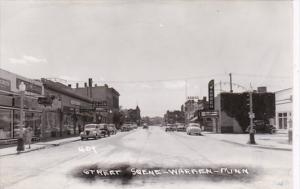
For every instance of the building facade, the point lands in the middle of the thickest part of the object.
(105, 100)
(233, 110)
(10, 101)
(68, 112)
(284, 109)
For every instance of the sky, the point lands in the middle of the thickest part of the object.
(155, 53)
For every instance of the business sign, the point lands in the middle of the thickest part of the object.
(100, 104)
(101, 110)
(4, 84)
(74, 102)
(30, 87)
(211, 95)
(209, 114)
(192, 98)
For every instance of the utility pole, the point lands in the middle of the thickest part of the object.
(230, 76)
(251, 116)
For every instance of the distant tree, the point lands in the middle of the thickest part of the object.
(118, 119)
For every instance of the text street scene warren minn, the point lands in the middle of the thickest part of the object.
(146, 94)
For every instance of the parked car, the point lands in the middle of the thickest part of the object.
(112, 129)
(260, 126)
(104, 130)
(193, 129)
(134, 126)
(145, 127)
(180, 128)
(170, 127)
(91, 131)
(125, 127)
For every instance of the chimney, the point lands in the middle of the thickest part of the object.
(261, 89)
(96, 85)
(91, 87)
(69, 85)
(77, 85)
(85, 85)
(204, 99)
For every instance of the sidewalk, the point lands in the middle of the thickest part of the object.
(278, 141)
(37, 146)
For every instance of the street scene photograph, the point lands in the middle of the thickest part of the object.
(171, 94)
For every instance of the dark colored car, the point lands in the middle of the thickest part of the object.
(125, 127)
(145, 127)
(112, 129)
(170, 127)
(181, 128)
(104, 130)
(261, 127)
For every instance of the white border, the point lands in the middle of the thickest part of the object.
(296, 139)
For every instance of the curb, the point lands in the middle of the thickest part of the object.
(257, 146)
(42, 147)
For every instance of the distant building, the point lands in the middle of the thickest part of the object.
(284, 108)
(132, 115)
(233, 110)
(105, 99)
(175, 116)
(192, 107)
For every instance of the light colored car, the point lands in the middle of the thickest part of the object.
(193, 129)
(90, 131)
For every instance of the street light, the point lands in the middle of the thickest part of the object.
(20, 146)
(251, 116)
(22, 89)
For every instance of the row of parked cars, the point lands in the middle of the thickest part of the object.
(101, 130)
(190, 129)
(98, 131)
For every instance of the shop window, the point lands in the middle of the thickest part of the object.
(282, 120)
(5, 124)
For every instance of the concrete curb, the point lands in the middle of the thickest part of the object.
(42, 147)
(257, 146)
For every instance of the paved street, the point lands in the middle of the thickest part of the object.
(58, 167)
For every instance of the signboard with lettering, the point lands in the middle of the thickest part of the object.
(211, 95)
(5, 84)
(30, 87)
(100, 104)
(192, 98)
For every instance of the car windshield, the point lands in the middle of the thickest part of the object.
(90, 126)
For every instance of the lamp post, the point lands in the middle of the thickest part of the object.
(251, 116)
(21, 146)
(22, 88)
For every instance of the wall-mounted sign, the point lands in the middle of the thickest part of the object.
(5, 84)
(208, 114)
(74, 102)
(30, 87)
(192, 98)
(211, 95)
(100, 104)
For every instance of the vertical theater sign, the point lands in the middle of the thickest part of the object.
(211, 95)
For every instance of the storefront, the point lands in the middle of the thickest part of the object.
(71, 113)
(284, 106)
(10, 102)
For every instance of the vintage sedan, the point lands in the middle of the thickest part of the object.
(91, 131)
(170, 127)
(193, 129)
(125, 127)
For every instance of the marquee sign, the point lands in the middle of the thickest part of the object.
(211, 95)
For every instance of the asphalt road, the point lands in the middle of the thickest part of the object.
(148, 149)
